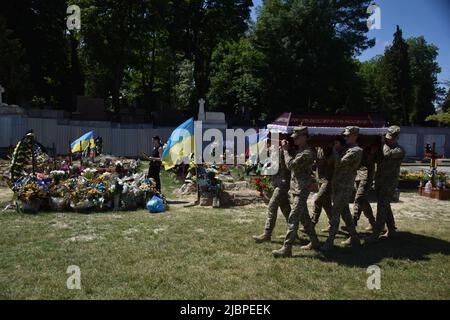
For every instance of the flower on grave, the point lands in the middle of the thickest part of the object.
(89, 173)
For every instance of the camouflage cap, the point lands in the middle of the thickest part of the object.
(350, 130)
(300, 131)
(393, 132)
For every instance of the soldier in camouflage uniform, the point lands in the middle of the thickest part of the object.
(363, 183)
(346, 165)
(386, 182)
(280, 199)
(300, 164)
(324, 173)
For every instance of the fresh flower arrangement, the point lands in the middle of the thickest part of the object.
(147, 185)
(57, 175)
(263, 185)
(89, 173)
(89, 190)
(30, 188)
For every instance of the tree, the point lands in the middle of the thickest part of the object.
(442, 117)
(371, 77)
(185, 85)
(40, 27)
(108, 27)
(308, 48)
(397, 84)
(424, 70)
(198, 26)
(445, 106)
(234, 86)
(13, 72)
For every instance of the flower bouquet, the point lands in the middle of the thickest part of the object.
(31, 193)
(59, 196)
(131, 196)
(89, 173)
(80, 196)
(264, 186)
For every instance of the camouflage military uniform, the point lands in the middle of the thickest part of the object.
(280, 196)
(300, 166)
(343, 179)
(363, 183)
(325, 168)
(386, 182)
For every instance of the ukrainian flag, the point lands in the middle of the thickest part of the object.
(180, 144)
(262, 141)
(253, 148)
(83, 142)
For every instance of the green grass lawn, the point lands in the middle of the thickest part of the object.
(205, 253)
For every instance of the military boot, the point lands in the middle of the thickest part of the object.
(284, 252)
(355, 220)
(374, 237)
(352, 242)
(327, 246)
(313, 245)
(389, 234)
(265, 237)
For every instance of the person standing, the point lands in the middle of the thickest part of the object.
(279, 199)
(346, 165)
(363, 184)
(324, 174)
(386, 182)
(154, 168)
(300, 164)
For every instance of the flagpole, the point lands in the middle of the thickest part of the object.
(33, 160)
(81, 155)
(198, 187)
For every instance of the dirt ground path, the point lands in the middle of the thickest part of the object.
(5, 195)
(411, 205)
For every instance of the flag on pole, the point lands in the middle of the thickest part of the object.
(262, 141)
(180, 144)
(253, 148)
(83, 142)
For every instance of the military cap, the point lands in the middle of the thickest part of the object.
(393, 132)
(300, 131)
(350, 130)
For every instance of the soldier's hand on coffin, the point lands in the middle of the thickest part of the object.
(285, 145)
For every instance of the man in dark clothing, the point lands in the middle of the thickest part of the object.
(154, 168)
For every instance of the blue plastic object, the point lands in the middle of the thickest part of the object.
(156, 205)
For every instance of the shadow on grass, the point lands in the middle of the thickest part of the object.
(405, 246)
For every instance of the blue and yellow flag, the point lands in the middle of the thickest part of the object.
(180, 145)
(83, 142)
(263, 136)
(253, 148)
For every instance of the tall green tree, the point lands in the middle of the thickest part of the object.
(107, 27)
(13, 71)
(198, 26)
(445, 106)
(308, 49)
(371, 77)
(397, 82)
(424, 72)
(235, 88)
(40, 26)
